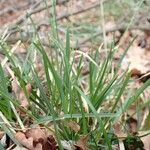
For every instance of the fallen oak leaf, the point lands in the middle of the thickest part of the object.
(37, 139)
(28, 143)
(38, 134)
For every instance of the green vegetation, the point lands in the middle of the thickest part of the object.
(76, 87)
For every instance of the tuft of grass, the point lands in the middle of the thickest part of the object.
(66, 97)
(93, 100)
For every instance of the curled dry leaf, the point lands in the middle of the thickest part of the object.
(28, 143)
(36, 139)
(37, 134)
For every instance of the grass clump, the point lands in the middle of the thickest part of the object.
(76, 87)
(92, 101)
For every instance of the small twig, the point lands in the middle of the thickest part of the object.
(12, 29)
(24, 16)
(31, 12)
(12, 39)
(113, 29)
(77, 12)
(103, 25)
(143, 76)
(66, 15)
(14, 8)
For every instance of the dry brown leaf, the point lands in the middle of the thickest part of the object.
(138, 58)
(28, 143)
(81, 144)
(37, 134)
(74, 126)
(36, 139)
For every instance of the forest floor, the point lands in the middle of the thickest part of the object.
(93, 25)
